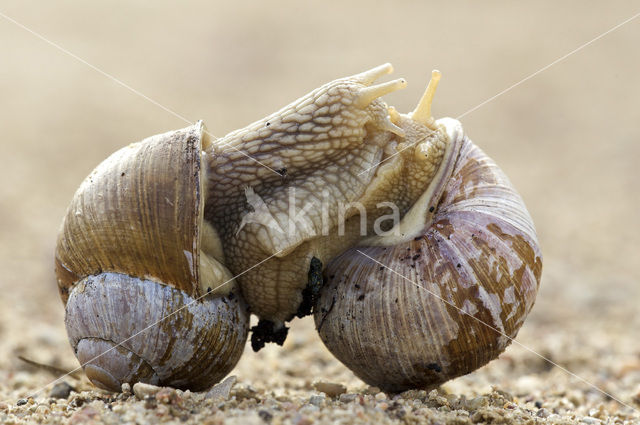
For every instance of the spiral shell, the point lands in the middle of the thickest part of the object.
(134, 260)
(445, 300)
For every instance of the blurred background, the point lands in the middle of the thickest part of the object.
(568, 138)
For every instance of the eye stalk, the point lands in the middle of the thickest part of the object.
(422, 113)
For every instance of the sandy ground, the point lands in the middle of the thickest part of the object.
(568, 139)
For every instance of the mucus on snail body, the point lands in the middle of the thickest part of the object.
(172, 242)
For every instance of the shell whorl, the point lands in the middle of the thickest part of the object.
(134, 261)
(138, 212)
(445, 301)
(125, 329)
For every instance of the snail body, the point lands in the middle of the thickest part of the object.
(172, 242)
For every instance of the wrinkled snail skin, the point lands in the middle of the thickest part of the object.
(325, 147)
(132, 250)
(321, 141)
(446, 295)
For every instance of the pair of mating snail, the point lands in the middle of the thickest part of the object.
(165, 250)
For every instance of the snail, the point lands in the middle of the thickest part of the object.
(172, 242)
(147, 296)
(448, 288)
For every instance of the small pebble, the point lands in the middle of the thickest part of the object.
(316, 400)
(414, 394)
(476, 403)
(381, 396)
(221, 390)
(543, 413)
(41, 408)
(141, 390)
(592, 421)
(265, 415)
(126, 388)
(301, 420)
(245, 392)
(168, 396)
(85, 415)
(507, 396)
(576, 398)
(309, 409)
(371, 390)
(348, 398)
(436, 400)
(61, 390)
(329, 388)
(22, 402)
(598, 412)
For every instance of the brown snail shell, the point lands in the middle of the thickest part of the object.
(134, 261)
(443, 301)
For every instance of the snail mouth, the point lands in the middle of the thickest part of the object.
(108, 365)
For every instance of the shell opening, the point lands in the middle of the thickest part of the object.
(419, 215)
